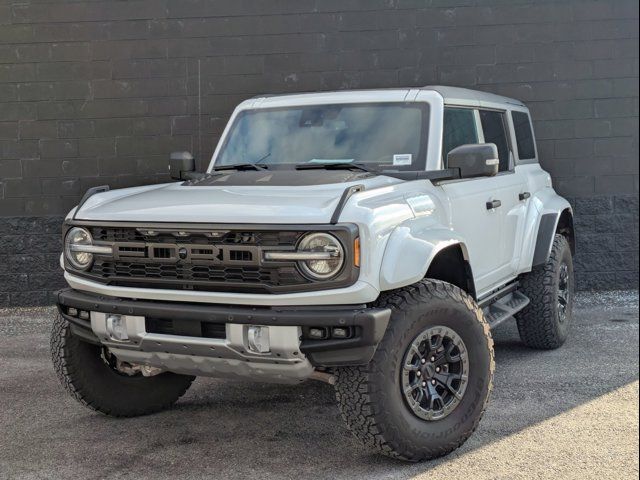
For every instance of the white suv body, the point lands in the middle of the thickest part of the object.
(498, 243)
(470, 207)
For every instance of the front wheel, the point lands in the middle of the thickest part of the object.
(88, 373)
(426, 388)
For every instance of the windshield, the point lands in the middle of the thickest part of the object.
(381, 135)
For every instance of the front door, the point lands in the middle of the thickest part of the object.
(480, 226)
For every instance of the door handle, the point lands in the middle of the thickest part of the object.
(524, 196)
(493, 204)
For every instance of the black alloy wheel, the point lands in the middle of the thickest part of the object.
(435, 373)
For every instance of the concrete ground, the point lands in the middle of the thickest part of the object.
(569, 413)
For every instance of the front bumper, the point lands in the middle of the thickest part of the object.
(182, 346)
(360, 292)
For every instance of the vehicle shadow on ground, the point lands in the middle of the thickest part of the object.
(235, 430)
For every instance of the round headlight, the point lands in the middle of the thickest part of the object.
(77, 258)
(321, 269)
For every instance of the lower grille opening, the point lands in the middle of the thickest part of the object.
(157, 325)
(214, 330)
(186, 328)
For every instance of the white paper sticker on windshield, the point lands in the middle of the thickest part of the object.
(402, 159)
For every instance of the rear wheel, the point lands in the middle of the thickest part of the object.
(91, 374)
(426, 388)
(544, 323)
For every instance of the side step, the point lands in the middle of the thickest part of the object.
(505, 307)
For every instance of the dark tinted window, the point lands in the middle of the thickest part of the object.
(493, 127)
(524, 135)
(459, 129)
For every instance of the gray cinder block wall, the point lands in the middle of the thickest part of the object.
(101, 92)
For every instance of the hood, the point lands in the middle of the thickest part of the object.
(240, 198)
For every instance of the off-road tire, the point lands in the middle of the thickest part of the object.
(370, 397)
(539, 323)
(95, 384)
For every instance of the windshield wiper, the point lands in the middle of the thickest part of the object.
(261, 159)
(334, 166)
(239, 167)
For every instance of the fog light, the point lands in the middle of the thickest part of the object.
(117, 327)
(83, 314)
(339, 332)
(72, 312)
(318, 333)
(258, 339)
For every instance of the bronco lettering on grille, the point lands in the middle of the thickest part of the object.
(187, 253)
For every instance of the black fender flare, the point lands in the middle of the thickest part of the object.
(550, 224)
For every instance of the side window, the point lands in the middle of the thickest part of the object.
(524, 135)
(459, 129)
(495, 131)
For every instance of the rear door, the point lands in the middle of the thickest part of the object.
(511, 183)
(526, 164)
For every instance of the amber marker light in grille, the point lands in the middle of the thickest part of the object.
(356, 252)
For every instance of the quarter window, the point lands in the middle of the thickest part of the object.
(494, 129)
(459, 129)
(524, 135)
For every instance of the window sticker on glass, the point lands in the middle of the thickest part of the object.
(402, 159)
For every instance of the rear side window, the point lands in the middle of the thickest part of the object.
(494, 129)
(459, 129)
(524, 135)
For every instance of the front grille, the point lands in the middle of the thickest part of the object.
(212, 260)
(216, 259)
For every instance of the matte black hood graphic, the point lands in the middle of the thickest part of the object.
(278, 178)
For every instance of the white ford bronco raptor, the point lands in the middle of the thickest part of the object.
(368, 239)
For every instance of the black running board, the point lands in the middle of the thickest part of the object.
(505, 307)
(503, 304)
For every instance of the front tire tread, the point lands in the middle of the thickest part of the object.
(67, 362)
(354, 388)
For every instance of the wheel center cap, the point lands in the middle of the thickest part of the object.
(428, 370)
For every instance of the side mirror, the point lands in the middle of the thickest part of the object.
(475, 160)
(181, 164)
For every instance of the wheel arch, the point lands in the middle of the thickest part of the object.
(451, 265)
(552, 223)
(565, 227)
(436, 253)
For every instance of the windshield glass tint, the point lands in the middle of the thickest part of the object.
(383, 135)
